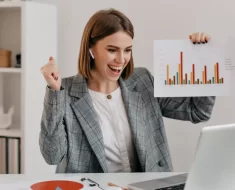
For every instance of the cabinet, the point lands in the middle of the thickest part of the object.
(29, 29)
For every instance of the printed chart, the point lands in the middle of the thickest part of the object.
(182, 68)
(181, 78)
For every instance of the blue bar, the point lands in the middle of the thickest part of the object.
(165, 82)
(213, 80)
(189, 81)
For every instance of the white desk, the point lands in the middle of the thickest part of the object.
(121, 179)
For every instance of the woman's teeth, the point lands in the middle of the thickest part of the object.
(115, 68)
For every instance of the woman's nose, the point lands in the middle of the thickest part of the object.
(120, 58)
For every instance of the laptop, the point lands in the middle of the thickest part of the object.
(213, 167)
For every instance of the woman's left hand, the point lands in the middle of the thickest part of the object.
(199, 38)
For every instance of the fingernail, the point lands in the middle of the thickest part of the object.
(203, 42)
(194, 42)
(206, 41)
(199, 42)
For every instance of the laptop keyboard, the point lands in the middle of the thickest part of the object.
(176, 187)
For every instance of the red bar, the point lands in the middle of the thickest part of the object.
(222, 80)
(210, 81)
(217, 69)
(193, 74)
(169, 81)
(197, 81)
(205, 74)
(186, 78)
(174, 79)
(181, 64)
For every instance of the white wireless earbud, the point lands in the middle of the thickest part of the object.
(91, 53)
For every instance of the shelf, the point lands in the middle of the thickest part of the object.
(10, 70)
(11, 132)
(20, 87)
(10, 4)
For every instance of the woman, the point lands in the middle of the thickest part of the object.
(106, 118)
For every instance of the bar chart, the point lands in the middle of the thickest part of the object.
(184, 69)
(181, 78)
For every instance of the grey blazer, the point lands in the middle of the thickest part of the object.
(71, 137)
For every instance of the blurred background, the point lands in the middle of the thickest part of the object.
(31, 31)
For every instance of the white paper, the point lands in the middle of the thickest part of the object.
(194, 57)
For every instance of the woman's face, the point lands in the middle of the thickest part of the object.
(111, 55)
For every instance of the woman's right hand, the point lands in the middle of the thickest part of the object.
(51, 74)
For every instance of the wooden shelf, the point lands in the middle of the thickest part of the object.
(10, 70)
(11, 132)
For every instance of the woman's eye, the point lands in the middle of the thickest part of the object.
(128, 50)
(111, 50)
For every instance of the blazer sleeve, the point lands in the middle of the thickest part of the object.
(194, 109)
(53, 136)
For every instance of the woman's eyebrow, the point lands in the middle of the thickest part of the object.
(117, 46)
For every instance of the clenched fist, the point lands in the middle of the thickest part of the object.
(51, 74)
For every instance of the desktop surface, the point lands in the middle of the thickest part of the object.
(120, 179)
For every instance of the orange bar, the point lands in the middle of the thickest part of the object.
(203, 77)
(191, 78)
(167, 73)
(215, 74)
(193, 74)
(179, 78)
(181, 64)
(186, 78)
(205, 74)
(217, 71)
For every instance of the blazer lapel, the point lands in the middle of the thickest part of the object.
(85, 113)
(133, 103)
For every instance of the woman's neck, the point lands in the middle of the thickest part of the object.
(101, 85)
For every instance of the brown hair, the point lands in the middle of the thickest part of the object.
(102, 24)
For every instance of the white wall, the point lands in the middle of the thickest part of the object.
(153, 19)
(45, 43)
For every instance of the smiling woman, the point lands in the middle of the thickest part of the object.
(106, 118)
(108, 35)
(111, 57)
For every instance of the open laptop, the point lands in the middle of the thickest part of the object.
(213, 167)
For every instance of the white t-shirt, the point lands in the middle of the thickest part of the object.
(119, 148)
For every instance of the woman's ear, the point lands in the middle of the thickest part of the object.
(91, 54)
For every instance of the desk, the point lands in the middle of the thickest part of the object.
(121, 179)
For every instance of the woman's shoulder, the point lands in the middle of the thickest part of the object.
(141, 78)
(142, 73)
(66, 82)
